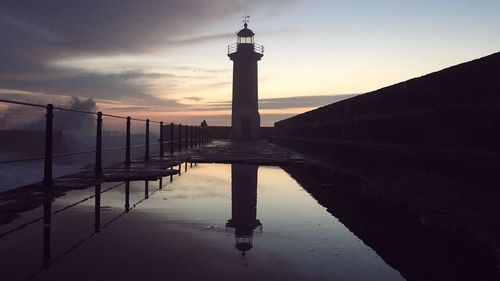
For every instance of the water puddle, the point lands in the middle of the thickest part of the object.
(214, 222)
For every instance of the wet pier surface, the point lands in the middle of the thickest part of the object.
(213, 222)
(184, 218)
(259, 153)
(253, 152)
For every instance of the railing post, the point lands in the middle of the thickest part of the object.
(180, 137)
(98, 145)
(127, 143)
(186, 137)
(127, 196)
(194, 133)
(47, 175)
(97, 209)
(171, 138)
(197, 136)
(161, 140)
(146, 151)
(47, 218)
(194, 136)
(191, 129)
(171, 174)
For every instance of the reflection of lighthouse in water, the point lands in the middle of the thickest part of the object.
(243, 205)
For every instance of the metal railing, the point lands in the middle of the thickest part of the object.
(258, 48)
(193, 136)
(233, 48)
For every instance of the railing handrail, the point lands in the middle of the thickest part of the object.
(22, 103)
(59, 155)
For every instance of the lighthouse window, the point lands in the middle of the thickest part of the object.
(245, 40)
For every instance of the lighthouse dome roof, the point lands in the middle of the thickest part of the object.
(245, 32)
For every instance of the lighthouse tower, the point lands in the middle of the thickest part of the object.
(245, 119)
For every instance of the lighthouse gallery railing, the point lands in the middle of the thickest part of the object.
(233, 48)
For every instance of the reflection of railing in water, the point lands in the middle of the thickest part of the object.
(24, 225)
(193, 136)
(47, 260)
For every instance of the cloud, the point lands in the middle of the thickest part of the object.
(301, 101)
(193, 98)
(287, 102)
(52, 29)
(204, 70)
(199, 39)
(32, 118)
(36, 34)
(112, 25)
(131, 86)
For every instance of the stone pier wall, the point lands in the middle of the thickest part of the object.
(444, 123)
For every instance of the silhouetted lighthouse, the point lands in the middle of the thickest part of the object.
(245, 119)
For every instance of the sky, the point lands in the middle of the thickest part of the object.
(167, 60)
